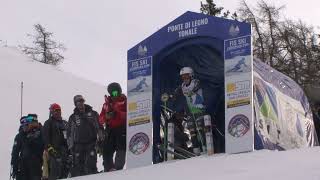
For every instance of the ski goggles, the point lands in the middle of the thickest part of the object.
(185, 77)
(32, 118)
(27, 120)
(114, 93)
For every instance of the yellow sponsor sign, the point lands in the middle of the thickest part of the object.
(133, 106)
(231, 87)
(238, 102)
(138, 121)
(238, 86)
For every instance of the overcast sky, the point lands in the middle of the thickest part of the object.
(98, 33)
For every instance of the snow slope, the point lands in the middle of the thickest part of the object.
(43, 85)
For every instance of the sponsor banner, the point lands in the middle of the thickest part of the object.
(139, 76)
(139, 114)
(282, 121)
(238, 102)
(139, 121)
(238, 95)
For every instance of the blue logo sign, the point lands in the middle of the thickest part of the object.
(239, 125)
(139, 143)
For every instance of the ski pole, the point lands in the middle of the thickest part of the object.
(164, 99)
(184, 151)
(171, 152)
(219, 132)
(11, 169)
(198, 131)
(21, 100)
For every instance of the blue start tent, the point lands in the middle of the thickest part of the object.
(253, 105)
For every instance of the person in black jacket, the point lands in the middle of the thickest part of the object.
(26, 156)
(83, 130)
(55, 141)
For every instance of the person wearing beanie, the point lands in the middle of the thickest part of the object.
(83, 134)
(26, 155)
(114, 117)
(55, 141)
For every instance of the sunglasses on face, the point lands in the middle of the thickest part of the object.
(79, 101)
(57, 110)
(114, 93)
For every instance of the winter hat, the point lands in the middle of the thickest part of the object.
(114, 87)
(54, 107)
(77, 98)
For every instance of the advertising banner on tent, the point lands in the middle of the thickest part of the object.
(282, 113)
(238, 95)
(139, 117)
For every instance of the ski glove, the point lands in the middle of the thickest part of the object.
(110, 114)
(100, 135)
(99, 148)
(52, 151)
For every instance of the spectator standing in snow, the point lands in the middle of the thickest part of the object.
(26, 156)
(56, 147)
(83, 134)
(114, 116)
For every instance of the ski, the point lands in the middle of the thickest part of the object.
(161, 148)
(170, 139)
(186, 152)
(208, 134)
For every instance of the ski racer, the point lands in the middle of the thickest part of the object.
(114, 116)
(26, 156)
(191, 90)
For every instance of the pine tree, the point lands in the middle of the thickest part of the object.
(210, 8)
(45, 49)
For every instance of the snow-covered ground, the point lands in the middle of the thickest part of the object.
(302, 164)
(44, 84)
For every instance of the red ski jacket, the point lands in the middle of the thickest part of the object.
(118, 106)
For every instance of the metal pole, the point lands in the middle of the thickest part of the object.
(21, 100)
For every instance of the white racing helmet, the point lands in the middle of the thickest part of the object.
(187, 70)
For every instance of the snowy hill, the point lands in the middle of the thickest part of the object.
(43, 85)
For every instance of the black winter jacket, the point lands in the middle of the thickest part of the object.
(55, 134)
(27, 147)
(83, 127)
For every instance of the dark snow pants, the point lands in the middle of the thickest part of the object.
(84, 160)
(115, 142)
(58, 166)
(30, 169)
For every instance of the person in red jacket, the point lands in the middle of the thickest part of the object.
(114, 117)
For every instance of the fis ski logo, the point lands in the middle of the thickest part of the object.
(142, 50)
(234, 30)
(239, 125)
(139, 143)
